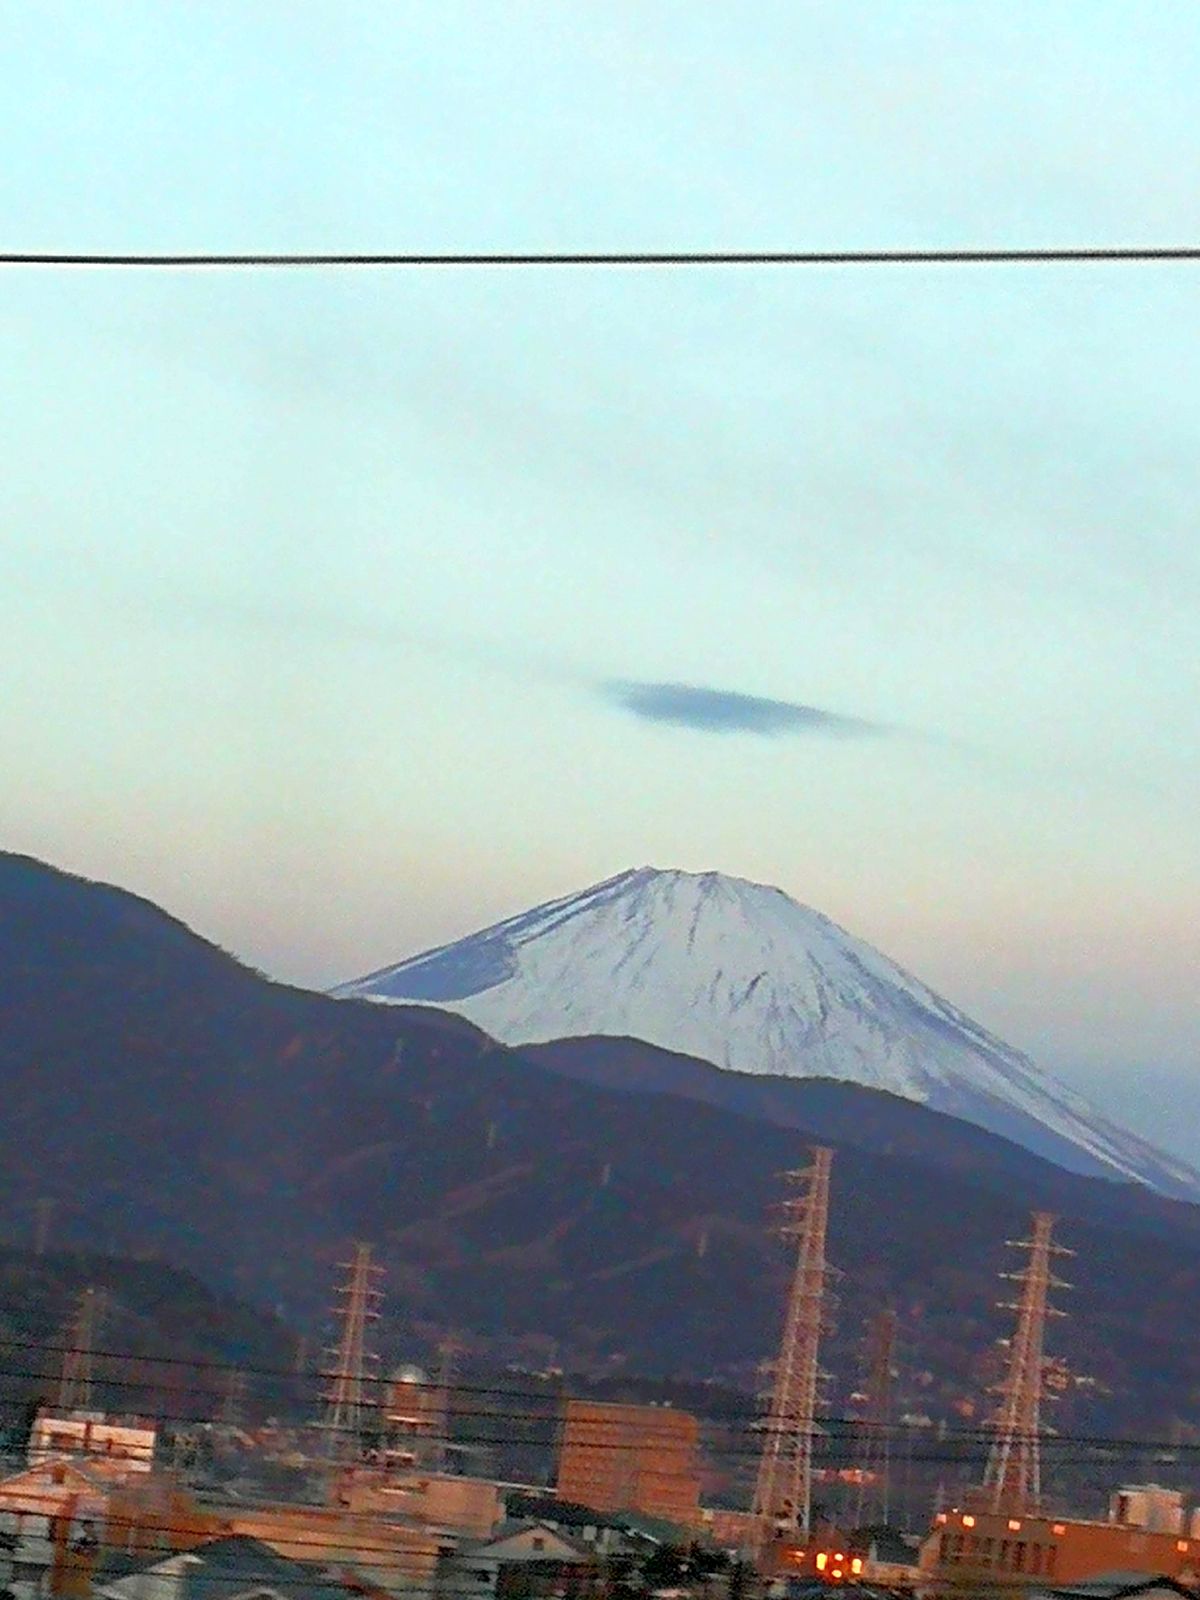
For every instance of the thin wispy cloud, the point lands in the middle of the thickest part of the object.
(710, 710)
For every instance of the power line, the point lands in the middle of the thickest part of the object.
(1051, 255)
(743, 1417)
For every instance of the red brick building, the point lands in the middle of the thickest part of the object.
(631, 1458)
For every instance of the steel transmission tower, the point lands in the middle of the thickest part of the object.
(350, 1398)
(449, 1351)
(783, 1493)
(874, 1496)
(1012, 1481)
(75, 1380)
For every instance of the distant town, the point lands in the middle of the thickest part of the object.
(382, 1493)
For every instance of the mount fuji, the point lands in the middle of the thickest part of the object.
(740, 975)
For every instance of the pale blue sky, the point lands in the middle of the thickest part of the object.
(314, 588)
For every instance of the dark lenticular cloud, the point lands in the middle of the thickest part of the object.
(723, 711)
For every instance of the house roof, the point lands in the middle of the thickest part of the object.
(562, 1513)
(58, 1478)
(225, 1568)
(508, 1542)
(1115, 1585)
(656, 1529)
(888, 1544)
(816, 1590)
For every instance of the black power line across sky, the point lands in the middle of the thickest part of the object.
(1051, 255)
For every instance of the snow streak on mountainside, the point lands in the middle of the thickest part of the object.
(741, 975)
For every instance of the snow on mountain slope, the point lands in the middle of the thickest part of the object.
(741, 975)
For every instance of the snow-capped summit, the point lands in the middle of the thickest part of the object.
(741, 975)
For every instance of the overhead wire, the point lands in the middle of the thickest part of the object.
(509, 1392)
(965, 256)
(839, 1438)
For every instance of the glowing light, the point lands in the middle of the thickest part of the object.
(1059, 1528)
(1181, 1546)
(968, 1521)
(941, 1516)
(856, 1565)
(822, 1561)
(1014, 1526)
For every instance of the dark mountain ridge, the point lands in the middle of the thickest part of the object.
(173, 1101)
(176, 1338)
(870, 1119)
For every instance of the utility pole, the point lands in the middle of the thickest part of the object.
(75, 1380)
(348, 1402)
(448, 1353)
(1012, 1480)
(874, 1487)
(783, 1493)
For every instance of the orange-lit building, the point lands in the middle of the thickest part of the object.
(473, 1506)
(730, 1530)
(631, 1458)
(970, 1548)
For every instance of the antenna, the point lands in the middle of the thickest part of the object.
(783, 1493)
(1013, 1478)
(75, 1381)
(874, 1487)
(347, 1401)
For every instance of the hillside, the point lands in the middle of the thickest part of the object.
(174, 1102)
(176, 1336)
(841, 1113)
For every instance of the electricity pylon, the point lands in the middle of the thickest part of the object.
(75, 1379)
(874, 1488)
(350, 1397)
(1012, 1480)
(783, 1493)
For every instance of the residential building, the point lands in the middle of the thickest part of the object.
(728, 1529)
(373, 1550)
(1149, 1506)
(92, 1433)
(605, 1533)
(967, 1549)
(631, 1458)
(57, 1514)
(222, 1569)
(523, 1561)
(472, 1506)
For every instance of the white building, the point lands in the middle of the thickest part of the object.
(1148, 1506)
(91, 1434)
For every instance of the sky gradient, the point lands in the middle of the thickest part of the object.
(342, 613)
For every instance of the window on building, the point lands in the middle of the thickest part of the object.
(1019, 1552)
(1035, 1558)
